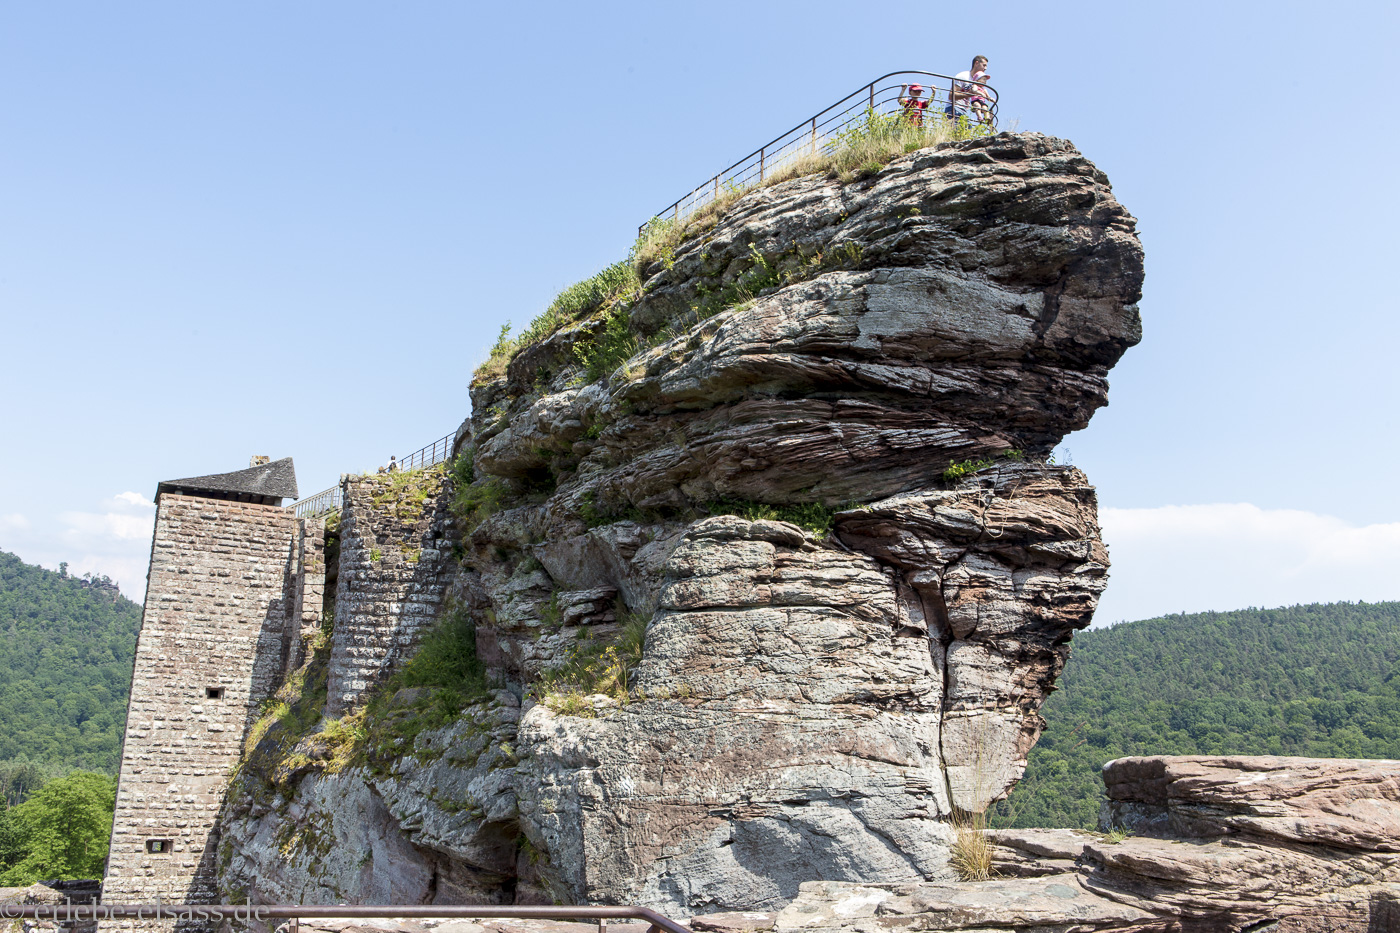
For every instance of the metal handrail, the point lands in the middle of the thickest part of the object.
(329, 500)
(432, 454)
(819, 132)
(61, 913)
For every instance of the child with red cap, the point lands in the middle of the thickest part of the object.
(912, 102)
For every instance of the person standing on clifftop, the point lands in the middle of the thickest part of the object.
(914, 105)
(965, 88)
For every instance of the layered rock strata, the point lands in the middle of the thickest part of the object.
(1218, 845)
(818, 483)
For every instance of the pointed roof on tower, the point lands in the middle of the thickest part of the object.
(268, 483)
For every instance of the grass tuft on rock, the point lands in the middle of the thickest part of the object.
(596, 666)
(811, 517)
(971, 853)
(442, 678)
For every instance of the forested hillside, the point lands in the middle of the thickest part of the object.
(66, 651)
(1317, 680)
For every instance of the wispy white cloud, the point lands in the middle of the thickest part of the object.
(134, 499)
(112, 538)
(1190, 558)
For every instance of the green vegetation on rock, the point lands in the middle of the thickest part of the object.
(442, 678)
(862, 149)
(596, 666)
(1320, 681)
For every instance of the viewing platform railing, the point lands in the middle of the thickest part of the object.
(329, 500)
(822, 131)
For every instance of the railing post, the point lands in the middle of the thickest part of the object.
(872, 95)
(814, 134)
(760, 163)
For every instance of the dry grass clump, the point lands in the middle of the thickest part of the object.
(868, 145)
(971, 853)
(496, 362)
(596, 667)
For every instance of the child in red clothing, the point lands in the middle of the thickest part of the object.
(914, 105)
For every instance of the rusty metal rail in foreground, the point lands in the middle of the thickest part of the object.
(263, 912)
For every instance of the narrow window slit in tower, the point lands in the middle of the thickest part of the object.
(158, 846)
(214, 693)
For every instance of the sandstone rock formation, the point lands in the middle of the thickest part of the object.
(817, 479)
(1218, 845)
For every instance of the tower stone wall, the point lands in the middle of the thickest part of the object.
(236, 592)
(225, 602)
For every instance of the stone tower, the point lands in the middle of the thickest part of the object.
(222, 611)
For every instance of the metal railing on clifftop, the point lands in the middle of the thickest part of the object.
(822, 131)
(329, 500)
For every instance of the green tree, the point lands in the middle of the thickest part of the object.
(66, 827)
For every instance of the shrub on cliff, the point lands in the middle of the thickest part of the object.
(441, 679)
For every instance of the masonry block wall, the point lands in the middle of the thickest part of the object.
(395, 567)
(308, 585)
(222, 584)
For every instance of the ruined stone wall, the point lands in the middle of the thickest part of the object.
(395, 567)
(210, 650)
(306, 609)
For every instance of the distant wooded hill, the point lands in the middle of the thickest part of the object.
(67, 646)
(1317, 680)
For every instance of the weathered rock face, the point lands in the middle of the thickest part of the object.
(981, 293)
(1220, 845)
(808, 704)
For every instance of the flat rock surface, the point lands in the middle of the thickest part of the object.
(1348, 803)
(1054, 902)
(737, 921)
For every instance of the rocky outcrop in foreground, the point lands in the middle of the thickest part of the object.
(1217, 845)
(764, 559)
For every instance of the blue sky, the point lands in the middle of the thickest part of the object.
(294, 229)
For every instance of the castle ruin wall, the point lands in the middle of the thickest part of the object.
(395, 567)
(306, 609)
